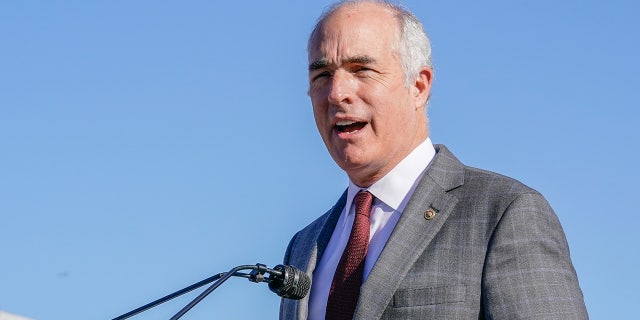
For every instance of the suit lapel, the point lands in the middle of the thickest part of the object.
(412, 233)
(311, 246)
(329, 226)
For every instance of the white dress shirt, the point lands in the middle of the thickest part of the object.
(391, 192)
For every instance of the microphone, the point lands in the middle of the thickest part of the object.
(289, 282)
(284, 280)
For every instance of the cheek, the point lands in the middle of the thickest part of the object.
(316, 106)
(319, 104)
(320, 117)
(393, 121)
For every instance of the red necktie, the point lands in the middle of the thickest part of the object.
(345, 288)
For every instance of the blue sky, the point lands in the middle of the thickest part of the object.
(147, 145)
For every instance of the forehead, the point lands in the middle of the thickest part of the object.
(354, 30)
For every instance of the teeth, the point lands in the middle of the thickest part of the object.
(345, 123)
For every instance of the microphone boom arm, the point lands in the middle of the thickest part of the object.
(256, 275)
(224, 278)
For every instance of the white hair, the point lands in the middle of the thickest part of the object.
(413, 45)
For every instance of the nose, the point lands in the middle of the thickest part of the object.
(341, 91)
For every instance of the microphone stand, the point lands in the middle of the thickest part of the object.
(258, 269)
(256, 275)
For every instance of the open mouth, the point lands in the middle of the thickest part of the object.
(349, 126)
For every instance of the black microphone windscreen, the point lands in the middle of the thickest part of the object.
(293, 284)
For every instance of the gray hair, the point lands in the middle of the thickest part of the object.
(413, 47)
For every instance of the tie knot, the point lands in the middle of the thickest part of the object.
(363, 201)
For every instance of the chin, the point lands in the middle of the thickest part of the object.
(351, 165)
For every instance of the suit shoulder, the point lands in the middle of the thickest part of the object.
(315, 224)
(477, 190)
(313, 229)
(486, 182)
(325, 218)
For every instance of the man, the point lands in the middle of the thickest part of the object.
(442, 240)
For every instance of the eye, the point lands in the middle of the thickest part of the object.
(321, 75)
(362, 70)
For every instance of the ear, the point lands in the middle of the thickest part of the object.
(422, 87)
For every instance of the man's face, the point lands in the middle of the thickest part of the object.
(367, 118)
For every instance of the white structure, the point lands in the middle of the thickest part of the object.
(9, 316)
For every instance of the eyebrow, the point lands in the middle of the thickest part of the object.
(318, 64)
(323, 63)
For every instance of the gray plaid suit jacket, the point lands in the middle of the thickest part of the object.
(494, 250)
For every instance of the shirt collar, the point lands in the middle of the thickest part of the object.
(393, 188)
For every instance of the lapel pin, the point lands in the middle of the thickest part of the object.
(430, 213)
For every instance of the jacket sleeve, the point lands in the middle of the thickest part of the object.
(528, 272)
